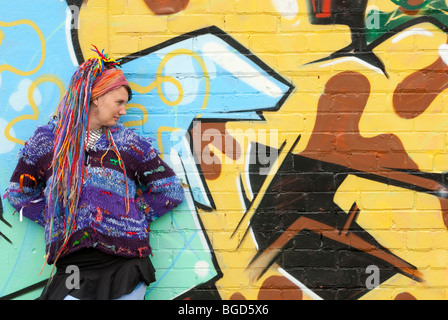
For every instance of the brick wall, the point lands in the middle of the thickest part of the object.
(311, 135)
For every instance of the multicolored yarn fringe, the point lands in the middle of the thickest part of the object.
(71, 134)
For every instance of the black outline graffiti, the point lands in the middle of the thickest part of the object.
(26, 290)
(2, 219)
(74, 32)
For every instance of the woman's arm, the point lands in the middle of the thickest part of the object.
(26, 188)
(162, 188)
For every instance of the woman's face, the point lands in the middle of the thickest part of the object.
(106, 110)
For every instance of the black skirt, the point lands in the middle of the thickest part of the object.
(101, 276)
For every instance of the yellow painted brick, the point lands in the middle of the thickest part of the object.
(254, 6)
(440, 234)
(278, 43)
(445, 150)
(437, 278)
(137, 7)
(327, 41)
(382, 292)
(95, 3)
(432, 122)
(380, 220)
(437, 258)
(229, 293)
(374, 121)
(392, 240)
(441, 162)
(402, 251)
(148, 41)
(123, 45)
(422, 142)
(367, 185)
(95, 18)
(242, 38)
(239, 260)
(116, 7)
(286, 122)
(138, 24)
(250, 23)
(393, 199)
(418, 219)
(93, 15)
(220, 6)
(346, 196)
(425, 201)
(424, 161)
(223, 241)
(290, 62)
(288, 23)
(186, 23)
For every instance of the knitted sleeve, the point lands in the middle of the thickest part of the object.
(25, 190)
(162, 190)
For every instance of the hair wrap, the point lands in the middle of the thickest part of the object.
(93, 78)
(109, 80)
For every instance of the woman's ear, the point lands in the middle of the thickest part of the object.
(94, 103)
(93, 107)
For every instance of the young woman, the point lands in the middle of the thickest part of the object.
(95, 186)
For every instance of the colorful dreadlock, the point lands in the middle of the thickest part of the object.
(71, 134)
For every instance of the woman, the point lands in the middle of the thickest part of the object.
(95, 186)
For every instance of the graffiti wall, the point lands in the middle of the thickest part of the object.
(310, 136)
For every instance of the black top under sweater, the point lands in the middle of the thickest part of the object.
(102, 276)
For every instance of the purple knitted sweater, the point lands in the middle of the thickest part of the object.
(101, 219)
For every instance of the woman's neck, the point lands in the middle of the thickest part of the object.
(94, 127)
